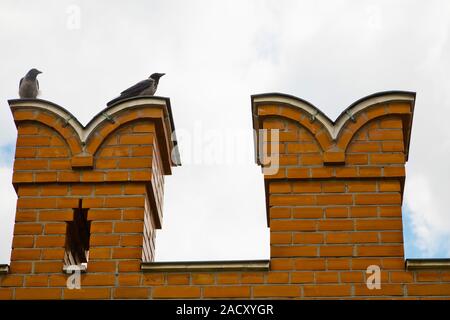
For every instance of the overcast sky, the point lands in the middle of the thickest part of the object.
(216, 54)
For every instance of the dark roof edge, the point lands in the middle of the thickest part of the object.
(4, 268)
(421, 264)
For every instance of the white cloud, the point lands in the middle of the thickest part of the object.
(430, 223)
(7, 213)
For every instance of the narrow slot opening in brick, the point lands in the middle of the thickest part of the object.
(77, 238)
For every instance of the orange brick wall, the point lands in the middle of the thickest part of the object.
(334, 208)
(331, 222)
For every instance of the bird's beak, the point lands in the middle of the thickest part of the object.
(161, 74)
(39, 71)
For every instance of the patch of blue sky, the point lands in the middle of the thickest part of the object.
(412, 250)
(7, 155)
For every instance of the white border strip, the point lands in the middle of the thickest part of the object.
(192, 266)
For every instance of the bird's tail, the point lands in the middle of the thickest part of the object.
(113, 101)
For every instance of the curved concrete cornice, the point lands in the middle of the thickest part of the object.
(107, 115)
(85, 131)
(334, 127)
(329, 133)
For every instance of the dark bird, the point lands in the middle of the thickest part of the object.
(145, 87)
(29, 85)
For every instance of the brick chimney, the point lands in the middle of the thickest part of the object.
(334, 202)
(90, 194)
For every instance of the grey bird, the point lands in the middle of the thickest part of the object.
(29, 85)
(145, 87)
